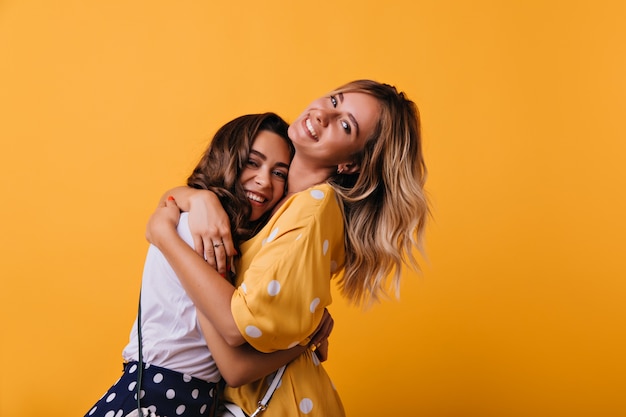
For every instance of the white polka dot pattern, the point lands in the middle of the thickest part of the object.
(177, 394)
(273, 288)
(253, 332)
(314, 305)
(307, 235)
(272, 235)
(317, 194)
(325, 247)
(306, 405)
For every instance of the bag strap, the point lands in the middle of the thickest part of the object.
(140, 359)
(270, 391)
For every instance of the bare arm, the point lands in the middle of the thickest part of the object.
(243, 364)
(208, 290)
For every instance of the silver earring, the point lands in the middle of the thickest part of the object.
(339, 170)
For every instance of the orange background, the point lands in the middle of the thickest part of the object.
(520, 310)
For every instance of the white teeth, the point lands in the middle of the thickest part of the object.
(309, 126)
(255, 197)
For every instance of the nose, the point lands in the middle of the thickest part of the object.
(322, 117)
(262, 178)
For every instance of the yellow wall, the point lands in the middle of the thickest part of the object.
(520, 310)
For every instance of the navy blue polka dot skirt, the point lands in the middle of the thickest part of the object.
(163, 391)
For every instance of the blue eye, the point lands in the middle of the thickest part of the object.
(333, 101)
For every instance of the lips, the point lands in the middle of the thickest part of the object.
(255, 198)
(308, 125)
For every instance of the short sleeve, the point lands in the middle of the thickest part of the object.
(286, 285)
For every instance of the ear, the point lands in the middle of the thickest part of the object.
(349, 168)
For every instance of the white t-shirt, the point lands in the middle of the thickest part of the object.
(170, 331)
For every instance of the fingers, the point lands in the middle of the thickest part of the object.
(212, 238)
(323, 330)
(162, 221)
(220, 256)
(215, 255)
(170, 202)
(322, 351)
(327, 323)
(229, 245)
(198, 245)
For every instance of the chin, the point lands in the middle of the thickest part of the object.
(292, 128)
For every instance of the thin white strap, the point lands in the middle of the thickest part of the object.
(270, 391)
(273, 385)
(234, 410)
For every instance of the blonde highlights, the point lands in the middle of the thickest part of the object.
(385, 206)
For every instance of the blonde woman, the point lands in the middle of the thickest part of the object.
(355, 210)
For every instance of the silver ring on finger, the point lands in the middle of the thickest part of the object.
(217, 245)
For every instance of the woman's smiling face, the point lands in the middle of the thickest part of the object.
(334, 128)
(265, 175)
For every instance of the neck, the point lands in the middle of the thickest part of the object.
(303, 176)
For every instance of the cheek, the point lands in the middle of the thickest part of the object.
(244, 176)
(291, 130)
(278, 190)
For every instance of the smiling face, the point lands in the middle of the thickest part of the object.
(334, 128)
(264, 176)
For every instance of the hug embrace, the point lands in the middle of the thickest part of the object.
(238, 274)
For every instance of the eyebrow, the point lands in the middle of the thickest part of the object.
(350, 116)
(259, 154)
(263, 157)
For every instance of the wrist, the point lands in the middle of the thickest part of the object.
(202, 198)
(161, 233)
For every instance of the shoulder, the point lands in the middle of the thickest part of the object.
(306, 213)
(319, 198)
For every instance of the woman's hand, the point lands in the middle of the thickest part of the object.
(208, 223)
(319, 338)
(210, 229)
(322, 351)
(164, 220)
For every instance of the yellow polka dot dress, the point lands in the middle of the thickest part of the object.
(283, 287)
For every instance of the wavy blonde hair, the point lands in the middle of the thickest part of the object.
(385, 206)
